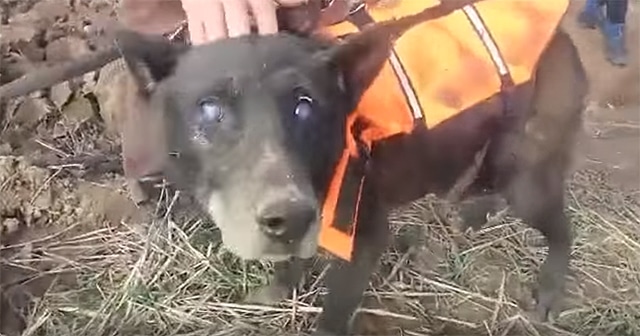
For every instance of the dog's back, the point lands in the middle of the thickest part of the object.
(443, 67)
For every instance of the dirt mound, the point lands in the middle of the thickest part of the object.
(40, 32)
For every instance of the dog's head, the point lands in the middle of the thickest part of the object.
(253, 126)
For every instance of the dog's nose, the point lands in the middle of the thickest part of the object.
(287, 219)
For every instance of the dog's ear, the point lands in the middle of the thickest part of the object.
(150, 59)
(360, 58)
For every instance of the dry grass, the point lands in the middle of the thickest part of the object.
(173, 279)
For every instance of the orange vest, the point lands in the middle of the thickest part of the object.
(438, 69)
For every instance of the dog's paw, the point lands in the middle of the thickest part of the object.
(543, 303)
(268, 295)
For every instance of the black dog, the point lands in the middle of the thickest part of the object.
(254, 126)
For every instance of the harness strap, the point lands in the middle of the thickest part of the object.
(346, 210)
(506, 80)
(506, 93)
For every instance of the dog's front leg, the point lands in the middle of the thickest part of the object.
(347, 281)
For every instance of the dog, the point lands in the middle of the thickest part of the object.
(257, 127)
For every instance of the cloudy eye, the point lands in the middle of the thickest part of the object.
(304, 107)
(211, 111)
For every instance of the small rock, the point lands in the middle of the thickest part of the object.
(99, 5)
(29, 19)
(44, 200)
(99, 30)
(75, 113)
(55, 32)
(59, 130)
(60, 94)
(14, 67)
(78, 111)
(5, 149)
(10, 34)
(10, 225)
(89, 82)
(30, 112)
(31, 51)
(65, 49)
(50, 11)
(23, 37)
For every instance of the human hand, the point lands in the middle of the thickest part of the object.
(210, 20)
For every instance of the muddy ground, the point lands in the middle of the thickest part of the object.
(77, 257)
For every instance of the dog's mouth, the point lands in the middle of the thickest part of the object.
(255, 245)
(279, 224)
(286, 248)
(304, 247)
(252, 244)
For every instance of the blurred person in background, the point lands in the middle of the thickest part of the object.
(610, 16)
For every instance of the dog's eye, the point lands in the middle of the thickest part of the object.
(304, 107)
(211, 110)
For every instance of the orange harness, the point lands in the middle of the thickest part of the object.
(436, 70)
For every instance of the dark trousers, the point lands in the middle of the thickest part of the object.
(616, 10)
